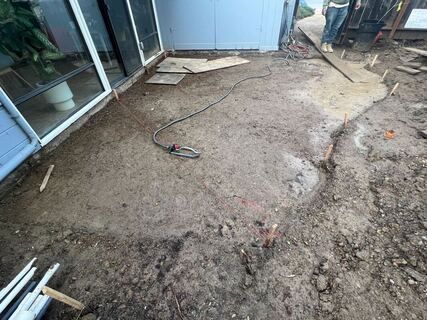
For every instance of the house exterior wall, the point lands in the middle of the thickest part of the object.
(220, 24)
(12, 138)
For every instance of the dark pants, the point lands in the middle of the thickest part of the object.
(334, 19)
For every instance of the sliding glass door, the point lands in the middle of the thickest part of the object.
(45, 65)
(101, 36)
(146, 27)
(118, 15)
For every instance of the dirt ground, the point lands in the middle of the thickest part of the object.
(141, 234)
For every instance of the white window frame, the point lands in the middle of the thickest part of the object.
(99, 69)
(141, 52)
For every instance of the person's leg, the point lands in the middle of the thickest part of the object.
(340, 16)
(330, 16)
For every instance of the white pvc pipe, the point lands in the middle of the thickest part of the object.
(25, 315)
(37, 308)
(15, 280)
(34, 305)
(16, 289)
(32, 296)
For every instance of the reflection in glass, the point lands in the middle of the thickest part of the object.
(145, 22)
(102, 41)
(45, 112)
(124, 35)
(39, 42)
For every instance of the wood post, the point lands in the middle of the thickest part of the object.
(63, 298)
(399, 18)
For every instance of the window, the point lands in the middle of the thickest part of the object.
(45, 66)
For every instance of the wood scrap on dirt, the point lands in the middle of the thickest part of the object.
(172, 70)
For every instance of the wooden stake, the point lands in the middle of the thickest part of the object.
(342, 54)
(46, 177)
(328, 152)
(63, 298)
(116, 95)
(270, 236)
(385, 73)
(345, 120)
(373, 61)
(394, 89)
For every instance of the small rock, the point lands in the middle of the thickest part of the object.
(327, 307)
(89, 316)
(322, 283)
(415, 274)
(411, 282)
(67, 233)
(135, 281)
(233, 315)
(363, 255)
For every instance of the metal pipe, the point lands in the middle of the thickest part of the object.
(29, 149)
(15, 280)
(17, 289)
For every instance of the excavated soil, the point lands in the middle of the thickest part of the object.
(141, 234)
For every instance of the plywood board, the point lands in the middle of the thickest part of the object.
(172, 69)
(166, 78)
(216, 64)
(176, 65)
(347, 70)
(417, 51)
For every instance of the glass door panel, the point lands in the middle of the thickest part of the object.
(145, 22)
(121, 24)
(45, 66)
(101, 38)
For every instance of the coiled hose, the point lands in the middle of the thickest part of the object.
(188, 152)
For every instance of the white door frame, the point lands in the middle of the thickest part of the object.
(141, 52)
(99, 69)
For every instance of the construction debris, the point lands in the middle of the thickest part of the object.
(373, 61)
(176, 65)
(394, 89)
(166, 78)
(63, 298)
(408, 70)
(30, 303)
(328, 152)
(390, 134)
(346, 120)
(385, 74)
(46, 177)
(216, 64)
(346, 69)
(417, 51)
(412, 64)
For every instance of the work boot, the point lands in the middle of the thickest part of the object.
(324, 47)
(329, 47)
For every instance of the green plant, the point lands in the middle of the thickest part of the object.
(22, 39)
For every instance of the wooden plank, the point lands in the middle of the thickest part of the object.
(417, 51)
(172, 61)
(348, 71)
(408, 70)
(211, 65)
(166, 78)
(176, 65)
(63, 298)
(46, 177)
(172, 69)
(414, 65)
